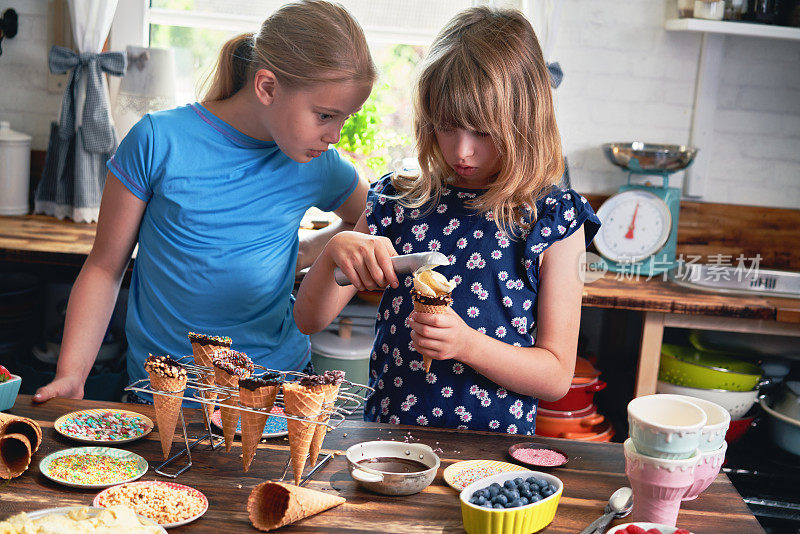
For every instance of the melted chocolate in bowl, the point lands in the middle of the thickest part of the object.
(390, 464)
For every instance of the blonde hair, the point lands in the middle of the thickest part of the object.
(303, 43)
(485, 72)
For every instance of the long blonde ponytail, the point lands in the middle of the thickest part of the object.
(302, 43)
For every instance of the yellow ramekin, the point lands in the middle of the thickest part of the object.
(521, 520)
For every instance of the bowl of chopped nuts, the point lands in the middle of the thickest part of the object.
(168, 504)
(9, 388)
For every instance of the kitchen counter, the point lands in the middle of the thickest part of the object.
(594, 471)
(38, 238)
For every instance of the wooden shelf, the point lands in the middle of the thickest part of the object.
(733, 28)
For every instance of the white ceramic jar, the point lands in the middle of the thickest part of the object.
(15, 162)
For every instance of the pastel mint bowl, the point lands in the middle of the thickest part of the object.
(718, 419)
(520, 520)
(8, 392)
(663, 426)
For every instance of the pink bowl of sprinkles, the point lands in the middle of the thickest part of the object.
(537, 455)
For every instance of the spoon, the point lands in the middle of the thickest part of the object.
(619, 504)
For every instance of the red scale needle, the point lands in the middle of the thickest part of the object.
(629, 235)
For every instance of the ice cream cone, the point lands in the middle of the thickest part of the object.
(15, 455)
(303, 402)
(15, 424)
(253, 423)
(229, 416)
(203, 347)
(437, 308)
(272, 505)
(229, 367)
(168, 376)
(330, 391)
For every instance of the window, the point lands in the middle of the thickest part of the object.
(398, 33)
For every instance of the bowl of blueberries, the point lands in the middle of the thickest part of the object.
(516, 502)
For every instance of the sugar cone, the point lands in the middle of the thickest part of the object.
(15, 455)
(202, 350)
(330, 391)
(14, 424)
(230, 416)
(253, 423)
(301, 401)
(167, 407)
(272, 505)
(434, 309)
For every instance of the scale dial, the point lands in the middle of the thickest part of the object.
(636, 224)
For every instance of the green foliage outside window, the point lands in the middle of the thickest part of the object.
(380, 134)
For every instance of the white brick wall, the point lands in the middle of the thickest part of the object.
(24, 100)
(626, 79)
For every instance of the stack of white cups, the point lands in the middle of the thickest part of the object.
(675, 450)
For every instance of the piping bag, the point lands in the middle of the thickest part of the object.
(404, 264)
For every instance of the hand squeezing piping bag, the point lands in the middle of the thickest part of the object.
(404, 264)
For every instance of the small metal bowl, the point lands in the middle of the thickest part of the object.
(389, 483)
(649, 157)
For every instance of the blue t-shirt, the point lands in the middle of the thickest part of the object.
(496, 293)
(218, 240)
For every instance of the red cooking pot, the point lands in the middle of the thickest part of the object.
(604, 433)
(579, 396)
(554, 424)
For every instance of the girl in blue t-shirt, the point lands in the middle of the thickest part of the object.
(213, 194)
(490, 156)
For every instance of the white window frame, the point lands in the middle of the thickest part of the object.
(133, 17)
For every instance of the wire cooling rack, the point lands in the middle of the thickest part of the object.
(351, 397)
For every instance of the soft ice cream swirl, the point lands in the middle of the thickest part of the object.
(432, 284)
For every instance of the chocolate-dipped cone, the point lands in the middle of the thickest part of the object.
(437, 305)
(203, 348)
(303, 402)
(254, 395)
(166, 375)
(229, 366)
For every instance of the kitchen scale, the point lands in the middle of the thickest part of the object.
(640, 223)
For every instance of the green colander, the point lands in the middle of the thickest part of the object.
(685, 366)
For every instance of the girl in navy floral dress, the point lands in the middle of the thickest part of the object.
(490, 157)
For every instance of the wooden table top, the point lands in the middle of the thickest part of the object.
(594, 471)
(39, 238)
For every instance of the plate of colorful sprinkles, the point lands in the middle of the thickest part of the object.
(93, 467)
(275, 427)
(103, 426)
(167, 503)
(537, 455)
(461, 474)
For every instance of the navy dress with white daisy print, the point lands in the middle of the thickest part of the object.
(497, 284)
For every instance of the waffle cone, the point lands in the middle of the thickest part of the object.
(305, 402)
(427, 308)
(229, 416)
(253, 423)
(166, 407)
(14, 424)
(330, 391)
(272, 505)
(202, 353)
(15, 455)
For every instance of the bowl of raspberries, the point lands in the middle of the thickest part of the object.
(647, 528)
(9, 387)
(515, 502)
